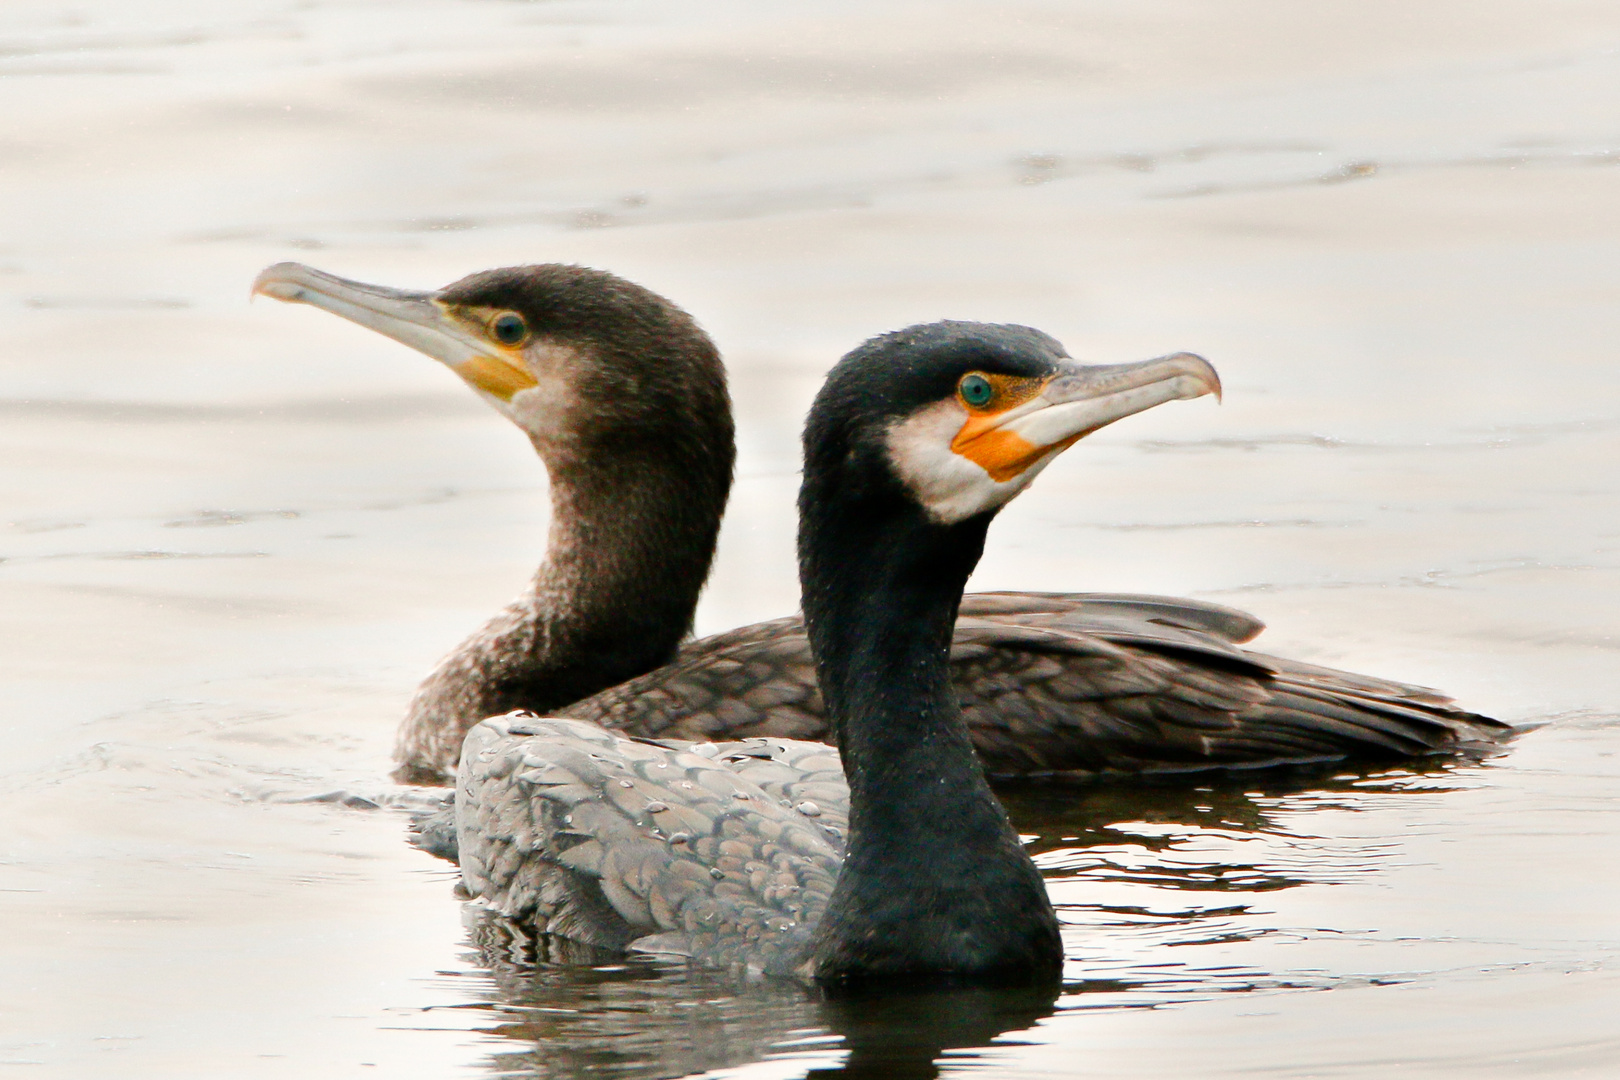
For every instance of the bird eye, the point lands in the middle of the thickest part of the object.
(975, 391)
(509, 328)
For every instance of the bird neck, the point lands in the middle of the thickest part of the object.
(936, 880)
(630, 545)
(627, 554)
(631, 540)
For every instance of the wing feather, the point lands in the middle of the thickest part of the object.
(624, 844)
(1070, 683)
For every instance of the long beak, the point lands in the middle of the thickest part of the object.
(1074, 403)
(417, 319)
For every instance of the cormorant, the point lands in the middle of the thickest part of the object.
(624, 398)
(717, 854)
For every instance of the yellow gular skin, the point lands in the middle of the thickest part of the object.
(501, 371)
(501, 374)
(1003, 454)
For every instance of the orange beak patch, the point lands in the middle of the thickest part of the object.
(501, 376)
(998, 451)
(1002, 453)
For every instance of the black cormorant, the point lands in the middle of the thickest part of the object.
(718, 854)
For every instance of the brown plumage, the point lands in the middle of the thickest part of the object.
(624, 398)
(1076, 684)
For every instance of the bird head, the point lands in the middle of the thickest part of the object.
(965, 415)
(580, 359)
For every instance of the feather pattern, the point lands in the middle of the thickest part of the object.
(724, 852)
(1073, 684)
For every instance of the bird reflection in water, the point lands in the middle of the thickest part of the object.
(904, 1035)
(1185, 855)
(651, 1019)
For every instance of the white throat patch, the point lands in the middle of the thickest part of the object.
(545, 410)
(949, 486)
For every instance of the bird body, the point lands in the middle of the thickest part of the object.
(717, 854)
(721, 853)
(624, 844)
(624, 399)
(716, 851)
(1067, 686)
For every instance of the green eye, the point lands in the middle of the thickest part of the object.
(976, 390)
(509, 328)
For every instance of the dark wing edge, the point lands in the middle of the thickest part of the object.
(1067, 696)
(1227, 624)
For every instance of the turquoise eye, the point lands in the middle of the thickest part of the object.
(509, 329)
(976, 391)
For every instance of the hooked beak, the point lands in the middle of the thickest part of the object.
(1075, 402)
(417, 319)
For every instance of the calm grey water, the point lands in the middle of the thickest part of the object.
(234, 536)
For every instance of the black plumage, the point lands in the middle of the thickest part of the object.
(717, 853)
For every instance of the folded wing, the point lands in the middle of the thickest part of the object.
(1070, 683)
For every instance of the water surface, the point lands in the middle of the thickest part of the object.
(235, 536)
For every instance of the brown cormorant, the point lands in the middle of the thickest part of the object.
(718, 854)
(624, 398)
